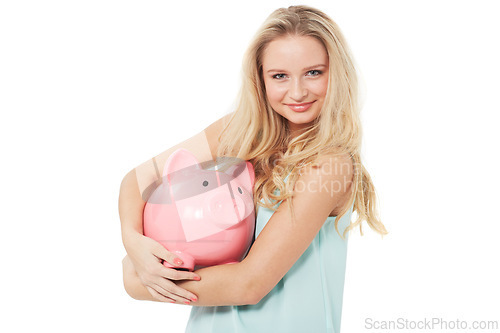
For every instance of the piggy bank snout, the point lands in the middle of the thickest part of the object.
(226, 211)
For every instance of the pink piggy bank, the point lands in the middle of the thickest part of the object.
(204, 213)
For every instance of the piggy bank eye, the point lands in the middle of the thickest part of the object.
(239, 190)
(205, 183)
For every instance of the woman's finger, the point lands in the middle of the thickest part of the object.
(173, 274)
(166, 255)
(159, 296)
(175, 294)
(162, 253)
(174, 291)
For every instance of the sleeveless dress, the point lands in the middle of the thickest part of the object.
(307, 299)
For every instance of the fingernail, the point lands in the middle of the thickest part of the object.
(197, 278)
(177, 261)
(187, 302)
(194, 299)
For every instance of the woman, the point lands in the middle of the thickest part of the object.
(297, 122)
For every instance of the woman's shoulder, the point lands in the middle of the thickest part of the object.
(332, 164)
(214, 130)
(333, 173)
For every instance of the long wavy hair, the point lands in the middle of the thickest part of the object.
(258, 134)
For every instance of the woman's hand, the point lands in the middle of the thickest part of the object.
(146, 256)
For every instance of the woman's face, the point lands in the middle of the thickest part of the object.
(295, 71)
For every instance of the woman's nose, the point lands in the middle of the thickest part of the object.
(297, 91)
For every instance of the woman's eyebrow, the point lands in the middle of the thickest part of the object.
(304, 69)
(315, 66)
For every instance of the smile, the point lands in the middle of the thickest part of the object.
(300, 107)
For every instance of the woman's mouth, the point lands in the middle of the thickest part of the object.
(300, 107)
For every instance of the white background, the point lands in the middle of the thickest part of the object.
(90, 89)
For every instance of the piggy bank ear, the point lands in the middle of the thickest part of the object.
(178, 160)
(251, 173)
(244, 173)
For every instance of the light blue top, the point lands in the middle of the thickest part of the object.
(307, 299)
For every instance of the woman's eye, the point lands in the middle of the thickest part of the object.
(314, 72)
(279, 76)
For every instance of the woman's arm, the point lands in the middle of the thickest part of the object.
(220, 275)
(318, 191)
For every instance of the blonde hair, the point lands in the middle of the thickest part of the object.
(258, 134)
